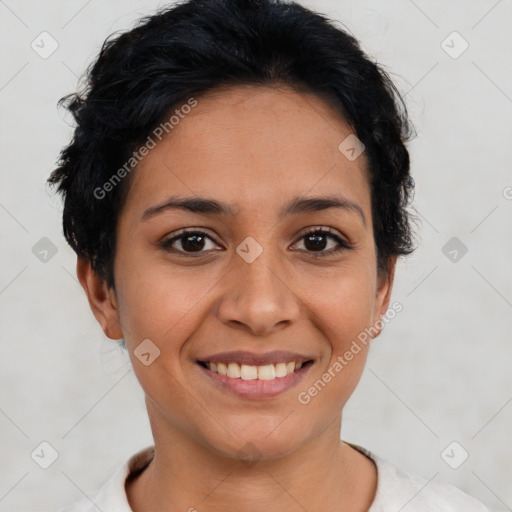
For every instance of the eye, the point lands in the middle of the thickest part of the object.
(192, 242)
(316, 241)
(188, 242)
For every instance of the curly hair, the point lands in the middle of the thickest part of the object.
(195, 46)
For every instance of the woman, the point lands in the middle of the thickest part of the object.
(236, 192)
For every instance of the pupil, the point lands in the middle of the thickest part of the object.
(315, 238)
(194, 246)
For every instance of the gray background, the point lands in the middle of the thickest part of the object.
(440, 372)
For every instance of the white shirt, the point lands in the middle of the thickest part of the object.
(396, 490)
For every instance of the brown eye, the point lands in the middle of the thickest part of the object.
(188, 242)
(317, 240)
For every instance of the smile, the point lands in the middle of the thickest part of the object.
(251, 381)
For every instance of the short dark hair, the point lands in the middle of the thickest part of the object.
(196, 46)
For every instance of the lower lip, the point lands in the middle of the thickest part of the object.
(257, 388)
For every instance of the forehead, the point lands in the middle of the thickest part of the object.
(249, 146)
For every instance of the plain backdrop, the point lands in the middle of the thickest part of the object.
(441, 370)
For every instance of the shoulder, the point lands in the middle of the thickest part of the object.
(112, 496)
(397, 490)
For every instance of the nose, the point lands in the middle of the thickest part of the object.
(259, 297)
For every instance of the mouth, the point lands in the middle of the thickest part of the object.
(251, 376)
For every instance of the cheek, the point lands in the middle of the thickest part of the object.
(342, 307)
(165, 307)
(158, 302)
(342, 301)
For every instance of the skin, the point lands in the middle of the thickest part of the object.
(255, 148)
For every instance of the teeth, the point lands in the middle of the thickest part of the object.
(281, 370)
(247, 372)
(267, 372)
(233, 370)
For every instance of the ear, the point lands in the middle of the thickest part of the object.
(383, 296)
(101, 299)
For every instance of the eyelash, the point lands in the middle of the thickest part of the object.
(167, 244)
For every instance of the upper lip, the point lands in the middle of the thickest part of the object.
(255, 359)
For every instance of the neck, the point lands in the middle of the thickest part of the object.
(322, 474)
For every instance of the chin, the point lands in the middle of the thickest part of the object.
(251, 446)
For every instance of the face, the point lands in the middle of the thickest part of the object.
(260, 275)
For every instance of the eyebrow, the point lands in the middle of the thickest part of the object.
(298, 205)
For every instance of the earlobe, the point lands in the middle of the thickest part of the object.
(101, 299)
